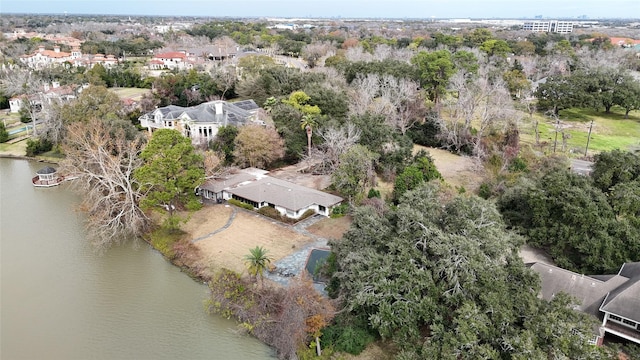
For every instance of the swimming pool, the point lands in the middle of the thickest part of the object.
(19, 130)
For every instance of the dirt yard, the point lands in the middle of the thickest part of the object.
(457, 170)
(228, 247)
(331, 228)
(294, 174)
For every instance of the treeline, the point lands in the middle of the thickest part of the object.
(138, 46)
(588, 224)
(598, 89)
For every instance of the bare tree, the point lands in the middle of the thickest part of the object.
(193, 95)
(52, 123)
(399, 100)
(104, 160)
(363, 91)
(212, 164)
(315, 51)
(337, 141)
(407, 103)
(226, 79)
(482, 103)
(17, 81)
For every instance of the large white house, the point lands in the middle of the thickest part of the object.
(201, 122)
(49, 93)
(253, 186)
(43, 58)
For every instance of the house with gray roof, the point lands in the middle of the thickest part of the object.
(201, 122)
(254, 187)
(613, 299)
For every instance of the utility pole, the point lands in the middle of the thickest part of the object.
(555, 142)
(588, 138)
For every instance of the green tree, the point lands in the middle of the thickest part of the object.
(252, 64)
(573, 220)
(442, 279)
(355, 172)
(477, 37)
(171, 172)
(516, 81)
(257, 261)
(557, 93)
(496, 47)
(4, 134)
(224, 143)
(95, 102)
(300, 100)
(627, 95)
(435, 69)
(611, 168)
(421, 170)
(465, 61)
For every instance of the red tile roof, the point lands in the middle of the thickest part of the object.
(171, 55)
(622, 41)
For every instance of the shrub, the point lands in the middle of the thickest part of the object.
(308, 213)
(350, 339)
(428, 133)
(275, 214)
(270, 212)
(485, 191)
(339, 211)
(162, 239)
(38, 146)
(373, 193)
(518, 165)
(239, 203)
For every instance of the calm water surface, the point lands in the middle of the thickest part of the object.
(61, 300)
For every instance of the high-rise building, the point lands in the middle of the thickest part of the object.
(554, 26)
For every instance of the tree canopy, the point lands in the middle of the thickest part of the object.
(587, 224)
(171, 171)
(442, 278)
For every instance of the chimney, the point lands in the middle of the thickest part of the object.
(56, 49)
(218, 108)
(55, 84)
(41, 48)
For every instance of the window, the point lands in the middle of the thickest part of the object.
(322, 208)
(615, 318)
(629, 322)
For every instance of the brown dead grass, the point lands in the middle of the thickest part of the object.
(331, 228)
(455, 169)
(227, 248)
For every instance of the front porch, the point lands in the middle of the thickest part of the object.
(622, 331)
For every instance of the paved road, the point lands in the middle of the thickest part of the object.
(581, 167)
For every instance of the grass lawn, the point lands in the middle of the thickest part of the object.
(17, 149)
(130, 93)
(10, 119)
(610, 131)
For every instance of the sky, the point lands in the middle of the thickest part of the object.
(593, 9)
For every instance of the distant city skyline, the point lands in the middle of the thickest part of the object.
(592, 9)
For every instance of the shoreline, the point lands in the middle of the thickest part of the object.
(6, 155)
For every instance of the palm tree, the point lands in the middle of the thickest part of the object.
(269, 104)
(307, 123)
(257, 261)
